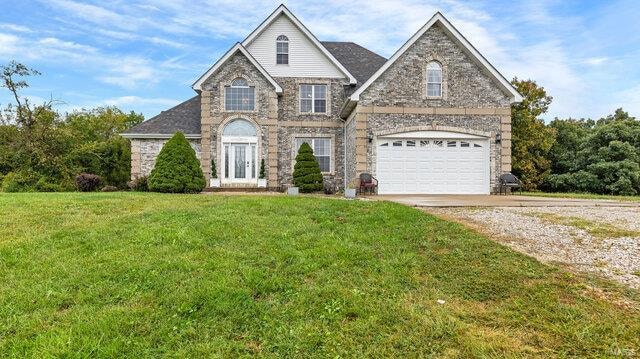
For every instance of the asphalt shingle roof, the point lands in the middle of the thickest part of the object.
(184, 117)
(360, 62)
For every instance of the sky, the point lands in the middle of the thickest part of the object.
(145, 55)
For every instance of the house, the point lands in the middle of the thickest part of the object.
(433, 118)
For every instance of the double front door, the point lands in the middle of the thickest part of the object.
(239, 162)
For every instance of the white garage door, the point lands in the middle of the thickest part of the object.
(433, 165)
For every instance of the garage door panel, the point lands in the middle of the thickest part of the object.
(441, 166)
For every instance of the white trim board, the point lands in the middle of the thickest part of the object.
(237, 47)
(461, 40)
(282, 10)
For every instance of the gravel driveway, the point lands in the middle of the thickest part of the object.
(602, 240)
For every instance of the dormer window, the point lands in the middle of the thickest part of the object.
(239, 96)
(434, 79)
(282, 50)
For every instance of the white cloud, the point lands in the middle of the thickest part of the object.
(130, 72)
(8, 45)
(595, 61)
(14, 28)
(140, 101)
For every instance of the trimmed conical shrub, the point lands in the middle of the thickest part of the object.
(177, 169)
(306, 173)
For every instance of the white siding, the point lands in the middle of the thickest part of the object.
(305, 59)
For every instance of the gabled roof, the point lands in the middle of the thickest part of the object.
(462, 41)
(282, 10)
(237, 47)
(184, 117)
(361, 62)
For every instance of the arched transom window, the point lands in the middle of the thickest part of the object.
(434, 79)
(282, 50)
(240, 127)
(239, 96)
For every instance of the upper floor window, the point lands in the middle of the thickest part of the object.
(282, 50)
(313, 98)
(434, 79)
(239, 96)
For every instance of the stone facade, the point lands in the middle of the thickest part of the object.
(395, 102)
(145, 151)
(292, 124)
(464, 83)
(215, 117)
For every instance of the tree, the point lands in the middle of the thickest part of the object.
(570, 134)
(306, 172)
(177, 168)
(531, 138)
(600, 156)
(41, 150)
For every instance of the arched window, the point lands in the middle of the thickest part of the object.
(282, 50)
(434, 79)
(239, 96)
(239, 127)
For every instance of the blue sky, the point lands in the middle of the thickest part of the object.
(144, 55)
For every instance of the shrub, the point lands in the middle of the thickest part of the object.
(109, 189)
(263, 173)
(306, 173)
(177, 169)
(139, 184)
(214, 170)
(87, 182)
(20, 181)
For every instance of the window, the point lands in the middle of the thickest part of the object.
(239, 127)
(397, 143)
(424, 143)
(321, 149)
(451, 143)
(434, 79)
(313, 98)
(411, 143)
(385, 144)
(282, 50)
(464, 144)
(239, 96)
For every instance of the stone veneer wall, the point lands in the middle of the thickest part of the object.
(214, 116)
(145, 151)
(464, 83)
(350, 148)
(292, 123)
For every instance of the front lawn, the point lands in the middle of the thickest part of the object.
(147, 275)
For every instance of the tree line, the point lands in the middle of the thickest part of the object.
(42, 150)
(573, 155)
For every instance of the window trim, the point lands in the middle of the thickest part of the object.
(230, 85)
(441, 83)
(313, 98)
(332, 152)
(282, 39)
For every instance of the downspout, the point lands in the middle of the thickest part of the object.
(344, 160)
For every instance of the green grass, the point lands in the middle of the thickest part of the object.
(596, 229)
(148, 275)
(582, 196)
